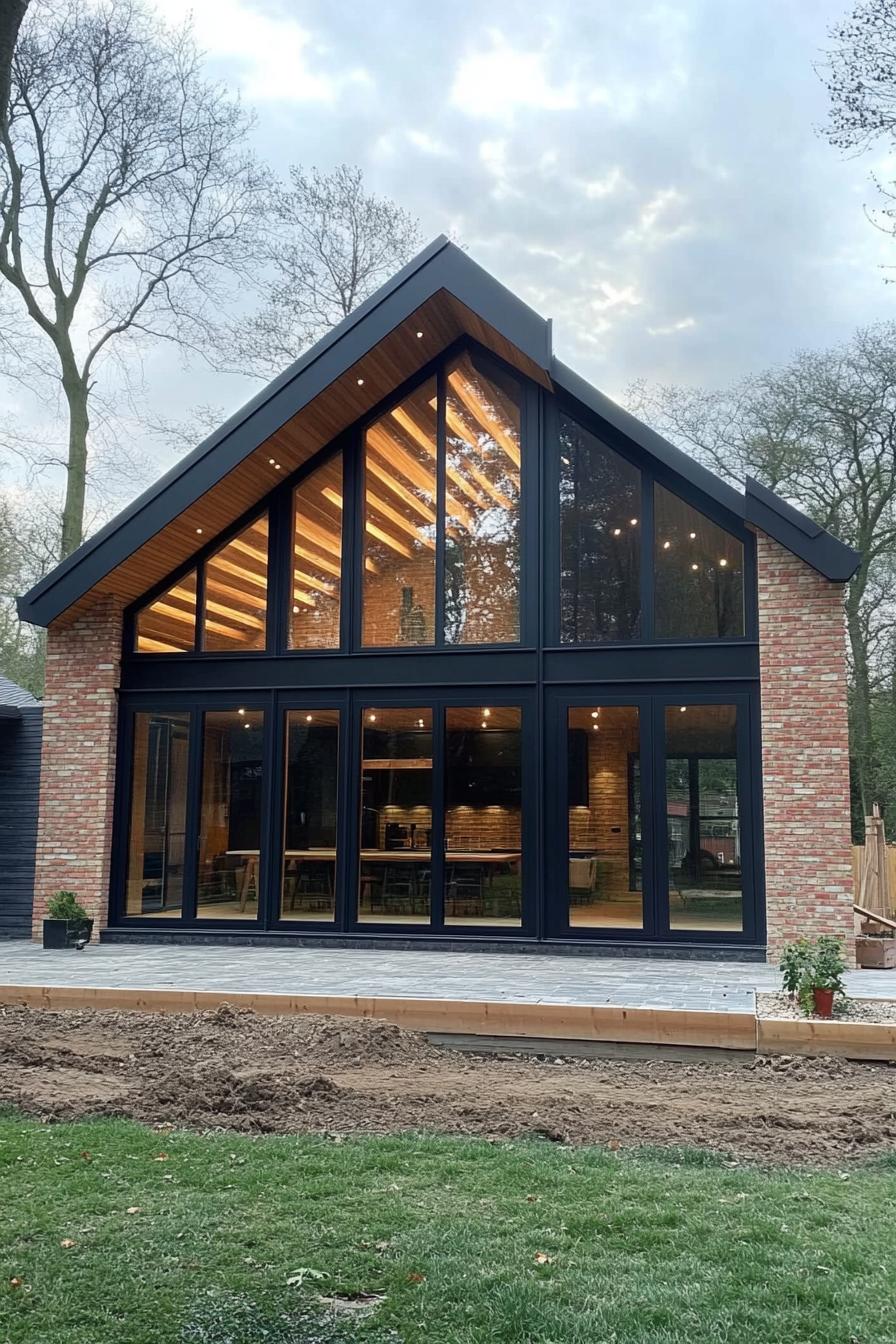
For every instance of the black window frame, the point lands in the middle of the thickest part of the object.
(531, 673)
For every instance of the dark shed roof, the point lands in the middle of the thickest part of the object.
(440, 266)
(14, 698)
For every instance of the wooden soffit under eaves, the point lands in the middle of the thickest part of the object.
(442, 320)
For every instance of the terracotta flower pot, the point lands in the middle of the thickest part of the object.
(824, 1002)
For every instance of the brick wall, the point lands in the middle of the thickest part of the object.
(603, 826)
(805, 750)
(78, 759)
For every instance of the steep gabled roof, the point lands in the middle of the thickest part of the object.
(477, 303)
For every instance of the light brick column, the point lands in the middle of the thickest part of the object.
(74, 829)
(805, 751)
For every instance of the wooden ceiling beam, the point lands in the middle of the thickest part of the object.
(479, 413)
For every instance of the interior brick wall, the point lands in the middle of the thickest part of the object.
(603, 826)
(74, 833)
(805, 751)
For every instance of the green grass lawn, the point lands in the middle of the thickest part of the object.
(179, 1237)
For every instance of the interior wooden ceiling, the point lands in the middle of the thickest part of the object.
(442, 320)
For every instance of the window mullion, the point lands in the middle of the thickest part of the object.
(439, 631)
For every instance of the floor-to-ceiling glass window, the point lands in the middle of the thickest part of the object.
(395, 876)
(483, 815)
(703, 818)
(158, 814)
(482, 498)
(600, 540)
(228, 882)
(236, 593)
(316, 594)
(310, 807)
(604, 875)
(399, 550)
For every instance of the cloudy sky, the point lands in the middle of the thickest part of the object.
(648, 174)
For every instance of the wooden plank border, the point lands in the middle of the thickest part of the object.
(809, 1036)
(572, 1022)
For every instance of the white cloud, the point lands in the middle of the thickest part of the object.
(597, 188)
(494, 84)
(278, 59)
(660, 220)
(685, 324)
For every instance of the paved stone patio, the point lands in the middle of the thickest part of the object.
(492, 977)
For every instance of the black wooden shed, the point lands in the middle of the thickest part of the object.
(20, 737)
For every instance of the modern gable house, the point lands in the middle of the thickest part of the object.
(432, 641)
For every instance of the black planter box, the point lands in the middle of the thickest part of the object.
(66, 932)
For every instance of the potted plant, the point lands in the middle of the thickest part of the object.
(67, 923)
(813, 973)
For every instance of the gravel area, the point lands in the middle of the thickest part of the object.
(846, 1010)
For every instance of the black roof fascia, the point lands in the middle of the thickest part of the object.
(799, 534)
(758, 505)
(440, 266)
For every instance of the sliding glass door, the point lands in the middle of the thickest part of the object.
(652, 802)
(444, 834)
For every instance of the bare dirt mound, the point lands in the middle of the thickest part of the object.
(236, 1070)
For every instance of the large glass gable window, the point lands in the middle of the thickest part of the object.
(600, 540)
(400, 453)
(482, 499)
(315, 601)
(442, 513)
(699, 573)
(233, 619)
(236, 585)
(168, 625)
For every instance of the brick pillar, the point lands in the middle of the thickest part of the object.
(805, 751)
(74, 830)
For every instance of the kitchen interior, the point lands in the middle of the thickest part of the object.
(483, 808)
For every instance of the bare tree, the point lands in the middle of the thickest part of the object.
(12, 12)
(330, 244)
(859, 72)
(128, 199)
(821, 430)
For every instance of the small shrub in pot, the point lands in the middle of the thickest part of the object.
(68, 923)
(813, 973)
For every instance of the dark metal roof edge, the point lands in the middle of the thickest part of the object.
(828, 555)
(452, 270)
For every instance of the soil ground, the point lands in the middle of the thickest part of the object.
(233, 1069)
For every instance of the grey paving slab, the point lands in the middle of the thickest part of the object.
(494, 977)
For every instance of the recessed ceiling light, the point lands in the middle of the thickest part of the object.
(486, 713)
(483, 724)
(241, 711)
(682, 709)
(271, 461)
(617, 531)
(247, 725)
(693, 536)
(666, 545)
(371, 718)
(199, 531)
(633, 521)
(419, 335)
(594, 713)
(360, 382)
(695, 566)
(723, 562)
(309, 718)
(595, 727)
(295, 611)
